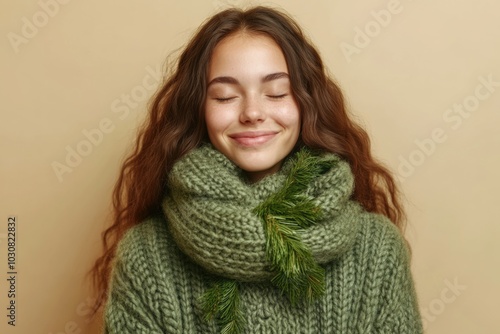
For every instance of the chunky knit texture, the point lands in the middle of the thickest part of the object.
(209, 232)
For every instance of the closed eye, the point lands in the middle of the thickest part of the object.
(277, 97)
(224, 99)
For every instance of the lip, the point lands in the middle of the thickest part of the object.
(253, 138)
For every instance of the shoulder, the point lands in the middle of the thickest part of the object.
(382, 229)
(388, 277)
(142, 285)
(146, 254)
(144, 241)
(382, 239)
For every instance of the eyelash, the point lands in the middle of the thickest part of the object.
(223, 99)
(274, 97)
(277, 97)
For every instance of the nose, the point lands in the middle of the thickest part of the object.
(252, 111)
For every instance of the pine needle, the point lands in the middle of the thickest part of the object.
(222, 301)
(285, 213)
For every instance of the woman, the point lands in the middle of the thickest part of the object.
(251, 203)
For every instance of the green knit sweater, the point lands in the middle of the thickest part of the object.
(208, 233)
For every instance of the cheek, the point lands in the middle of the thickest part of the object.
(211, 123)
(216, 120)
(289, 116)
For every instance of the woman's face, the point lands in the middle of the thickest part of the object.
(250, 112)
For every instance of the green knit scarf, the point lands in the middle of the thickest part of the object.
(279, 229)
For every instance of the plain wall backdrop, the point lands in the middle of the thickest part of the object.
(422, 76)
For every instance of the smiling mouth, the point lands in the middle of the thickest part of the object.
(252, 139)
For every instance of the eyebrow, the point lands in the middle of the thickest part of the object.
(234, 81)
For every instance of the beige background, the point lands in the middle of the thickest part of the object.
(93, 64)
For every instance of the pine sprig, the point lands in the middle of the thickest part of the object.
(285, 213)
(222, 302)
(297, 274)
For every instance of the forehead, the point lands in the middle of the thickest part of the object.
(244, 54)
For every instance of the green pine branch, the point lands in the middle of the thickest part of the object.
(297, 275)
(285, 213)
(222, 302)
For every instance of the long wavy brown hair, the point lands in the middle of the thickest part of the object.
(176, 125)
